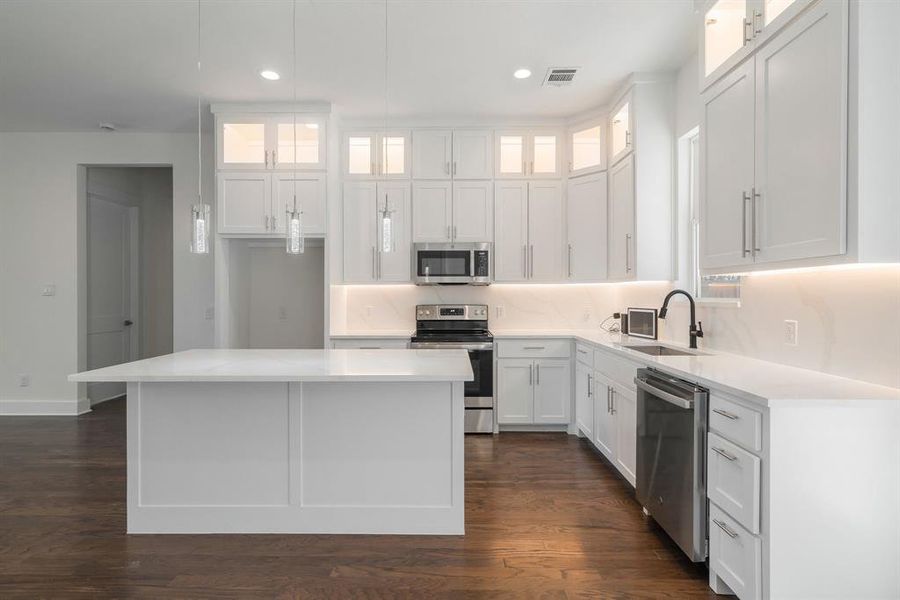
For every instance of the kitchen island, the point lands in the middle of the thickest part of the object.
(294, 441)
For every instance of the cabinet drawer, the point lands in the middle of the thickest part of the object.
(619, 370)
(534, 349)
(733, 481)
(369, 343)
(735, 554)
(584, 355)
(737, 423)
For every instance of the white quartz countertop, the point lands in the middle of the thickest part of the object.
(764, 382)
(292, 365)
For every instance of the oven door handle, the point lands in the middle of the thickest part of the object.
(449, 346)
(664, 395)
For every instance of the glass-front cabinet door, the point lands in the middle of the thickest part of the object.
(587, 150)
(544, 155)
(299, 142)
(527, 154)
(621, 140)
(359, 154)
(511, 154)
(242, 143)
(372, 154)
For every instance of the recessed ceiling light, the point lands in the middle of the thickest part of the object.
(270, 75)
(522, 73)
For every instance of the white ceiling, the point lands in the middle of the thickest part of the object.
(68, 65)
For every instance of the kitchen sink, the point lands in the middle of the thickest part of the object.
(657, 350)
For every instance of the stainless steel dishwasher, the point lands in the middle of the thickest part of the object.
(671, 452)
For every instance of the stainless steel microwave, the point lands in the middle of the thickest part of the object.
(452, 264)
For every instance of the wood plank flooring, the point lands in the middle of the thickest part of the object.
(545, 518)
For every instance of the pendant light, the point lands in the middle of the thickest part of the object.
(294, 243)
(386, 214)
(199, 211)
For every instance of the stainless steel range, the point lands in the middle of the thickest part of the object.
(463, 326)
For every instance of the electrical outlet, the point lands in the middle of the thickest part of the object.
(791, 333)
(48, 290)
(210, 313)
(498, 311)
(24, 379)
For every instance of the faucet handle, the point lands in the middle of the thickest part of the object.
(699, 332)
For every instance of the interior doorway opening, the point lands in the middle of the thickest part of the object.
(127, 277)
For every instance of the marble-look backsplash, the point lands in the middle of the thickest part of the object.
(848, 319)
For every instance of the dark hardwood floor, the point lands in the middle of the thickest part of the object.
(545, 518)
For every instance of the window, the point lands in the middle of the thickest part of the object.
(704, 287)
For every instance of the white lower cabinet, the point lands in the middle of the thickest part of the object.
(584, 399)
(735, 555)
(534, 382)
(604, 418)
(624, 403)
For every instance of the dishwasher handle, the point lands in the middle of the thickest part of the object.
(664, 395)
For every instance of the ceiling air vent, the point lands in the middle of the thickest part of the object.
(560, 76)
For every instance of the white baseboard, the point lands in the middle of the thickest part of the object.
(101, 400)
(535, 428)
(46, 408)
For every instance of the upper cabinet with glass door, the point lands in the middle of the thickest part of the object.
(371, 155)
(587, 148)
(250, 142)
(527, 153)
(621, 129)
(731, 29)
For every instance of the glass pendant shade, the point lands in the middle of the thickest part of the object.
(387, 230)
(294, 232)
(200, 229)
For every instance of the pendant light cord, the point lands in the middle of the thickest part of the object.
(199, 119)
(294, 83)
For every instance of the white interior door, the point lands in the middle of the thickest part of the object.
(545, 231)
(112, 291)
(726, 170)
(473, 211)
(801, 138)
(511, 230)
(587, 210)
(432, 211)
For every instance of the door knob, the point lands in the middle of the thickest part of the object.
(128, 322)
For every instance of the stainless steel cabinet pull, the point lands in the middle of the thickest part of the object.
(530, 374)
(627, 138)
(757, 22)
(531, 262)
(753, 237)
(266, 158)
(723, 454)
(449, 234)
(379, 264)
(744, 249)
(454, 167)
(726, 414)
(532, 167)
(374, 276)
(612, 401)
(533, 347)
(748, 31)
(525, 262)
(267, 222)
(590, 386)
(454, 232)
(274, 222)
(274, 158)
(537, 370)
(570, 260)
(724, 527)
(609, 399)
(627, 252)
(447, 167)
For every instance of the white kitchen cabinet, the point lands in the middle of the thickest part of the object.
(309, 189)
(604, 418)
(473, 211)
(584, 399)
(452, 154)
(473, 156)
(621, 129)
(515, 391)
(726, 169)
(371, 154)
(268, 141)
(527, 153)
(432, 154)
(368, 256)
(587, 148)
(244, 202)
(776, 193)
(586, 214)
(528, 231)
(730, 30)
(621, 220)
(801, 138)
(432, 211)
(624, 404)
(552, 391)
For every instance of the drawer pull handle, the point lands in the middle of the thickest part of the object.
(534, 347)
(726, 414)
(580, 351)
(724, 527)
(723, 454)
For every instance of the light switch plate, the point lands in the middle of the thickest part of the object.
(48, 290)
(791, 333)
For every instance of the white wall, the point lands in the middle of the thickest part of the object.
(39, 212)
